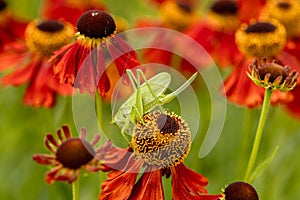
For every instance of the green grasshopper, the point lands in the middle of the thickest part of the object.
(145, 98)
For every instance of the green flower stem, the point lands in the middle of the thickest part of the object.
(75, 189)
(99, 109)
(261, 123)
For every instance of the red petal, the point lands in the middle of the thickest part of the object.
(52, 173)
(149, 186)
(66, 131)
(44, 159)
(38, 92)
(240, 89)
(38, 97)
(122, 54)
(294, 106)
(113, 158)
(50, 142)
(65, 62)
(120, 183)
(23, 73)
(15, 53)
(103, 84)
(62, 174)
(86, 73)
(245, 14)
(188, 184)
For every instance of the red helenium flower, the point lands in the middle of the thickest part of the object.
(70, 155)
(251, 38)
(176, 15)
(29, 60)
(215, 32)
(159, 147)
(85, 59)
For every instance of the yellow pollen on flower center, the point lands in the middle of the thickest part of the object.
(287, 12)
(163, 140)
(223, 15)
(265, 38)
(46, 36)
(177, 15)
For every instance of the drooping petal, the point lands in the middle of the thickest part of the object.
(64, 61)
(86, 72)
(122, 54)
(294, 106)
(149, 186)
(188, 184)
(113, 158)
(23, 73)
(119, 184)
(12, 54)
(52, 173)
(62, 174)
(50, 143)
(246, 14)
(38, 93)
(44, 159)
(39, 96)
(240, 89)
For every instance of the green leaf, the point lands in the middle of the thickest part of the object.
(263, 165)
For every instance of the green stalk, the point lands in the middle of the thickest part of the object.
(99, 109)
(75, 189)
(259, 131)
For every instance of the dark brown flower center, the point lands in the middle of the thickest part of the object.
(284, 5)
(240, 191)
(50, 26)
(274, 70)
(225, 7)
(96, 24)
(184, 6)
(167, 124)
(260, 27)
(74, 153)
(2, 5)
(162, 140)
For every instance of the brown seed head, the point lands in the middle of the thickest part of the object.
(240, 191)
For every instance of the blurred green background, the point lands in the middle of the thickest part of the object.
(23, 129)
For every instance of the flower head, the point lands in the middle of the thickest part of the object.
(263, 38)
(46, 36)
(272, 75)
(69, 155)
(85, 59)
(240, 191)
(160, 145)
(29, 58)
(287, 12)
(223, 15)
(177, 14)
(216, 31)
(161, 140)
